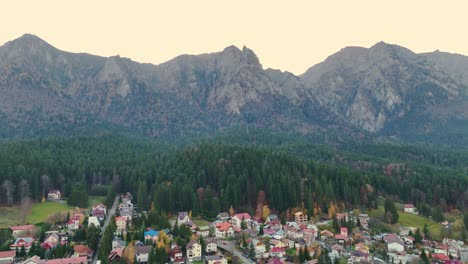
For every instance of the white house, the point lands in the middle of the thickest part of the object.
(54, 195)
(395, 245)
(93, 220)
(224, 230)
(7, 256)
(409, 208)
(194, 251)
(74, 223)
(203, 231)
(237, 219)
(211, 245)
(183, 218)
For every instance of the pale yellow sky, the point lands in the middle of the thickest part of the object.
(286, 35)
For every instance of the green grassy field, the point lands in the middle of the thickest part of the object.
(9, 216)
(41, 211)
(418, 221)
(201, 222)
(410, 220)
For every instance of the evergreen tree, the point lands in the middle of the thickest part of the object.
(306, 254)
(417, 237)
(424, 257)
(391, 213)
(252, 251)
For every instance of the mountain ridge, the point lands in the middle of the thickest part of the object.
(373, 90)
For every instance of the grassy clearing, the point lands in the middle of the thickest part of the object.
(9, 216)
(418, 221)
(41, 211)
(95, 199)
(201, 222)
(410, 220)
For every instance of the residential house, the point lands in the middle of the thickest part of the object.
(100, 214)
(175, 255)
(359, 257)
(117, 242)
(325, 235)
(224, 217)
(72, 260)
(7, 257)
(74, 222)
(115, 255)
(237, 219)
(93, 220)
(34, 260)
(215, 259)
(224, 230)
(342, 217)
(272, 218)
(20, 242)
(362, 247)
(203, 231)
(101, 207)
(51, 241)
(410, 208)
(288, 243)
(22, 230)
(125, 205)
(83, 251)
(395, 245)
(259, 247)
(337, 250)
(183, 218)
(127, 213)
(300, 218)
(276, 261)
(121, 223)
(211, 245)
(194, 251)
(142, 253)
(151, 235)
(276, 243)
(398, 257)
(277, 252)
(126, 198)
(54, 195)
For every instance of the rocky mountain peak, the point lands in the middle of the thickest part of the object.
(245, 57)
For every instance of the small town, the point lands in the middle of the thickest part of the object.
(123, 234)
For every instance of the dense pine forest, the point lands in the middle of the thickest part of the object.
(209, 176)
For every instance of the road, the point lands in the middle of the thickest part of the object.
(230, 246)
(109, 215)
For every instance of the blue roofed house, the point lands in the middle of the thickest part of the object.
(151, 234)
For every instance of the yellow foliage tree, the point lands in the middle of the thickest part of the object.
(265, 212)
(231, 211)
(190, 214)
(331, 210)
(129, 253)
(164, 238)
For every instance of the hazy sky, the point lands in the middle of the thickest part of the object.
(287, 35)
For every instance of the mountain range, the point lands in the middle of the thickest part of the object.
(384, 91)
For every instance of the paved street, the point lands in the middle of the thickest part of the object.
(110, 213)
(230, 246)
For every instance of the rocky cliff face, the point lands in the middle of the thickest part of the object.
(379, 90)
(374, 87)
